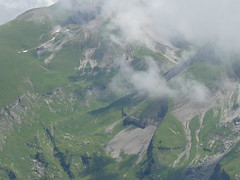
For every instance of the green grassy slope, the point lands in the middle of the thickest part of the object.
(57, 129)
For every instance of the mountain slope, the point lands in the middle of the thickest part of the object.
(70, 108)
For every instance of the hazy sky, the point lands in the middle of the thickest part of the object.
(9, 9)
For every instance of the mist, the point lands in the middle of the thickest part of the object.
(152, 83)
(198, 22)
(214, 22)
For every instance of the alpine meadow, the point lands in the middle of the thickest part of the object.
(120, 90)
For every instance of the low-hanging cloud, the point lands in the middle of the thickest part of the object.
(151, 83)
(199, 22)
(214, 22)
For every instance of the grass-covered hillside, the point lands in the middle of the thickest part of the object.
(61, 118)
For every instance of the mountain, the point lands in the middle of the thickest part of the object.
(77, 103)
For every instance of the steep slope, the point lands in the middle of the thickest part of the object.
(63, 117)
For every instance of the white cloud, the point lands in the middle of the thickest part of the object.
(199, 21)
(153, 84)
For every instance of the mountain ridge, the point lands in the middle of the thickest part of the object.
(77, 112)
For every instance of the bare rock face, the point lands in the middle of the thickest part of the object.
(131, 141)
